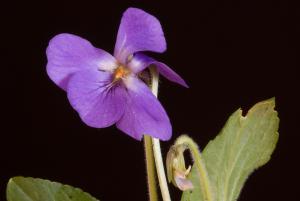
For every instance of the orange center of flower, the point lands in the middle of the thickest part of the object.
(120, 73)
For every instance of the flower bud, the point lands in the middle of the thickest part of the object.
(176, 170)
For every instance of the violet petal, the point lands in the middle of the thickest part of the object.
(143, 113)
(138, 31)
(140, 61)
(98, 102)
(69, 53)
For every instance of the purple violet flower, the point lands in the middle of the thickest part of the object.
(106, 89)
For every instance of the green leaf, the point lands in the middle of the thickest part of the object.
(31, 189)
(243, 145)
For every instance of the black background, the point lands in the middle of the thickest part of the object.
(231, 53)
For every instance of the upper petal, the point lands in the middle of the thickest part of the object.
(140, 61)
(98, 102)
(69, 53)
(143, 115)
(138, 31)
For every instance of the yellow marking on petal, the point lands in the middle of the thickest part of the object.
(120, 72)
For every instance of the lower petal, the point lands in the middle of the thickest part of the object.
(140, 61)
(92, 95)
(143, 115)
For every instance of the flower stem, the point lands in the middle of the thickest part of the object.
(160, 170)
(151, 175)
(203, 175)
(156, 145)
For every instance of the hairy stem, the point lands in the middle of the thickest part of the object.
(151, 175)
(156, 145)
(203, 175)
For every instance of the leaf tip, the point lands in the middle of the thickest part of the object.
(266, 105)
(271, 101)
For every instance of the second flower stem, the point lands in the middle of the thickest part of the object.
(160, 170)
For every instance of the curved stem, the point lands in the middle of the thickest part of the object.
(203, 175)
(156, 145)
